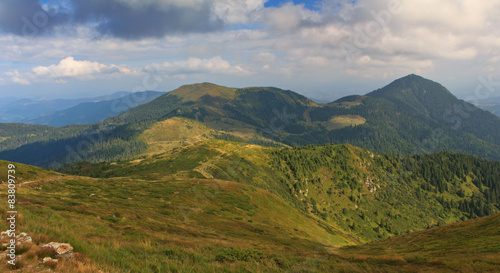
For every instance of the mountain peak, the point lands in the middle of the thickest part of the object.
(417, 79)
(193, 92)
(416, 92)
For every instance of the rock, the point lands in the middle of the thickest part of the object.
(63, 250)
(20, 238)
(48, 260)
(23, 238)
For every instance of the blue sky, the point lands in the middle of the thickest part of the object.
(313, 5)
(323, 49)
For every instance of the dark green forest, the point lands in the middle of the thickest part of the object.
(417, 191)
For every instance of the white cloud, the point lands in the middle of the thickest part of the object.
(238, 11)
(388, 36)
(290, 17)
(2, 81)
(448, 29)
(451, 15)
(215, 65)
(16, 77)
(83, 70)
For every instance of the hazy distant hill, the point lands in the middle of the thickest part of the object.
(7, 100)
(21, 109)
(93, 112)
(492, 107)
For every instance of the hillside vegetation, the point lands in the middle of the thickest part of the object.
(469, 246)
(370, 195)
(172, 224)
(224, 206)
(214, 179)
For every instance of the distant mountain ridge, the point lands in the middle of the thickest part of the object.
(93, 112)
(20, 109)
(494, 108)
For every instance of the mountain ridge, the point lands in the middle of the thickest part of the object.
(20, 109)
(410, 115)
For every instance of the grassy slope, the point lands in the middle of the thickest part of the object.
(173, 133)
(369, 195)
(27, 173)
(194, 92)
(170, 223)
(469, 246)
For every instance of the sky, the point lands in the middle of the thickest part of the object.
(323, 49)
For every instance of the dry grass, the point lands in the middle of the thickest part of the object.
(339, 122)
(31, 261)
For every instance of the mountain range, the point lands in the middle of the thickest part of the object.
(409, 116)
(209, 178)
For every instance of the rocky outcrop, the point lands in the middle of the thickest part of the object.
(48, 256)
(64, 251)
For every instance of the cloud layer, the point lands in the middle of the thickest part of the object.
(131, 19)
(127, 19)
(251, 42)
(28, 18)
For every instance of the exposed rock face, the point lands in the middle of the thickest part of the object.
(64, 251)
